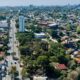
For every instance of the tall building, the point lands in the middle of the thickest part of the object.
(21, 24)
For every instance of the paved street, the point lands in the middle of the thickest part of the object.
(13, 43)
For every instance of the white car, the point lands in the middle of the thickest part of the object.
(3, 68)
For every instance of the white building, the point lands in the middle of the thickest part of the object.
(39, 78)
(21, 24)
(53, 25)
(4, 24)
(40, 35)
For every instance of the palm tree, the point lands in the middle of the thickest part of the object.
(24, 74)
(13, 71)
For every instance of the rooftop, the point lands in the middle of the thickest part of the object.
(3, 24)
(1, 54)
(59, 66)
(39, 78)
(40, 34)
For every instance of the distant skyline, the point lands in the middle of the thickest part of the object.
(37, 2)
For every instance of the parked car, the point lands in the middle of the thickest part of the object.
(21, 64)
(15, 58)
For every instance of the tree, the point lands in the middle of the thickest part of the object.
(53, 59)
(1, 58)
(44, 45)
(25, 37)
(73, 75)
(64, 16)
(24, 73)
(72, 64)
(2, 17)
(54, 34)
(78, 44)
(63, 59)
(78, 29)
(13, 71)
(43, 60)
(25, 50)
(68, 27)
(56, 49)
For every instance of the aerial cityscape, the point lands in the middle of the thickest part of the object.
(39, 40)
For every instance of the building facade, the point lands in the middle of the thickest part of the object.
(21, 24)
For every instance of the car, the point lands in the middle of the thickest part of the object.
(3, 67)
(21, 64)
(15, 62)
(6, 63)
(9, 47)
(15, 58)
(11, 63)
(16, 74)
(3, 74)
(16, 79)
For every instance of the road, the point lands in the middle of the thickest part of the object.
(50, 37)
(13, 44)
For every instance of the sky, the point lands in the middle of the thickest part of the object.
(37, 2)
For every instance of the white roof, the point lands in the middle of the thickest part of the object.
(76, 52)
(53, 24)
(39, 78)
(39, 33)
(3, 23)
(3, 67)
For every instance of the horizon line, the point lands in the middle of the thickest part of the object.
(39, 5)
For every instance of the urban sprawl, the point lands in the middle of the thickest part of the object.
(40, 43)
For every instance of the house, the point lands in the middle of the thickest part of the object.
(59, 66)
(40, 35)
(39, 78)
(70, 44)
(76, 56)
(53, 26)
(4, 24)
(64, 38)
(43, 23)
(69, 51)
(4, 27)
(2, 54)
(1, 45)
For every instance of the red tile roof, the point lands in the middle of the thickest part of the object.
(60, 66)
(1, 54)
